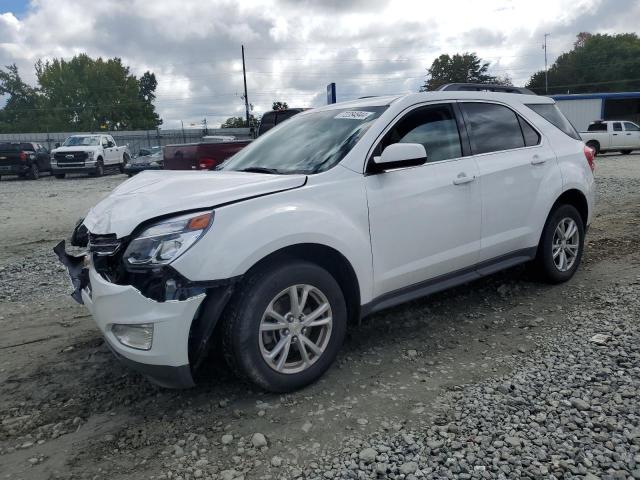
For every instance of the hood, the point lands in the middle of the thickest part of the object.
(152, 194)
(78, 148)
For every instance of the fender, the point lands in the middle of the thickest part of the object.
(246, 232)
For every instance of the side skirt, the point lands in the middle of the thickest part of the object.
(446, 281)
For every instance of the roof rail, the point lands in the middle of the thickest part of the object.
(482, 87)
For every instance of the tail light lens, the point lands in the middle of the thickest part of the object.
(206, 163)
(23, 156)
(590, 156)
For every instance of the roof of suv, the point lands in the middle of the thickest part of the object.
(441, 95)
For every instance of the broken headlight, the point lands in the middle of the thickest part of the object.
(165, 241)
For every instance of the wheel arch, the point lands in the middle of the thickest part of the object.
(575, 198)
(326, 257)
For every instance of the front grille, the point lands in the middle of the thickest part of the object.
(71, 156)
(104, 245)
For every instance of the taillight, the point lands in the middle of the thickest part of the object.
(23, 156)
(206, 163)
(590, 155)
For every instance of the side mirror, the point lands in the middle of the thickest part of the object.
(57, 145)
(399, 155)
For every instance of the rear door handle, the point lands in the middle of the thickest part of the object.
(537, 160)
(462, 178)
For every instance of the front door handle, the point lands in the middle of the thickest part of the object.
(462, 178)
(537, 160)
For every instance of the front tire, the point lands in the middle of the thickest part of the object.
(561, 245)
(125, 160)
(99, 171)
(285, 326)
(34, 172)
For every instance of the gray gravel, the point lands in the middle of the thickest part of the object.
(505, 378)
(568, 411)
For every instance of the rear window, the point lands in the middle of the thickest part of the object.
(551, 113)
(597, 127)
(15, 147)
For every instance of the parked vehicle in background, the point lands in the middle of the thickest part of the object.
(612, 135)
(339, 212)
(274, 117)
(218, 138)
(24, 159)
(90, 154)
(147, 151)
(204, 155)
(147, 159)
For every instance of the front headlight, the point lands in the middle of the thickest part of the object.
(90, 155)
(165, 241)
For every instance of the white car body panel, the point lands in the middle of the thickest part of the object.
(329, 210)
(145, 196)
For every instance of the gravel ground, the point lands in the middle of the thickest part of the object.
(501, 378)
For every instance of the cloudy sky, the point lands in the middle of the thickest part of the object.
(294, 48)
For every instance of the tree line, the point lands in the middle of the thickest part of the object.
(85, 94)
(81, 94)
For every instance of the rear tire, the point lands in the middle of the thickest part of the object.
(308, 349)
(60, 176)
(625, 152)
(34, 172)
(561, 245)
(595, 146)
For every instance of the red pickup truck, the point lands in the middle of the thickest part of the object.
(200, 156)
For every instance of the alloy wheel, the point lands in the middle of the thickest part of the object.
(295, 329)
(566, 244)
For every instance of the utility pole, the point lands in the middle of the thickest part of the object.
(546, 72)
(246, 99)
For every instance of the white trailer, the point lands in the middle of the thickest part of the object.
(583, 109)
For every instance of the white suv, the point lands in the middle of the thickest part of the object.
(336, 213)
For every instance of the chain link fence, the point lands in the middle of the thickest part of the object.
(135, 139)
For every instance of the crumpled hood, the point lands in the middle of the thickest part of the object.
(151, 194)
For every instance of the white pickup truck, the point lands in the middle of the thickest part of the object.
(88, 153)
(612, 135)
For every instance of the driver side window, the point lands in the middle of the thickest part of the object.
(434, 127)
(105, 143)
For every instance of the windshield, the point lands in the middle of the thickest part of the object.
(306, 143)
(81, 141)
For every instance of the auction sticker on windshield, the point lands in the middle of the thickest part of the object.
(354, 114)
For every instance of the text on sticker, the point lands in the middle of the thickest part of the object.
(354, 114)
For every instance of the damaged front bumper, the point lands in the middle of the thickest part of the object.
(166, 362)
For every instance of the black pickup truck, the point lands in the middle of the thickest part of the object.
(25, 159)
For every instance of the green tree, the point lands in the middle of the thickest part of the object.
(22, 105)
(240, 122)
(597, 63)
(460, 68)
(279, 106)
(81, 94)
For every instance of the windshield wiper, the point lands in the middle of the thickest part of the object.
(260, 170)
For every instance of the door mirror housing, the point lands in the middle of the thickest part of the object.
(400, 155)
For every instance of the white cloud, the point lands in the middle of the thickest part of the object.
(295, 47)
